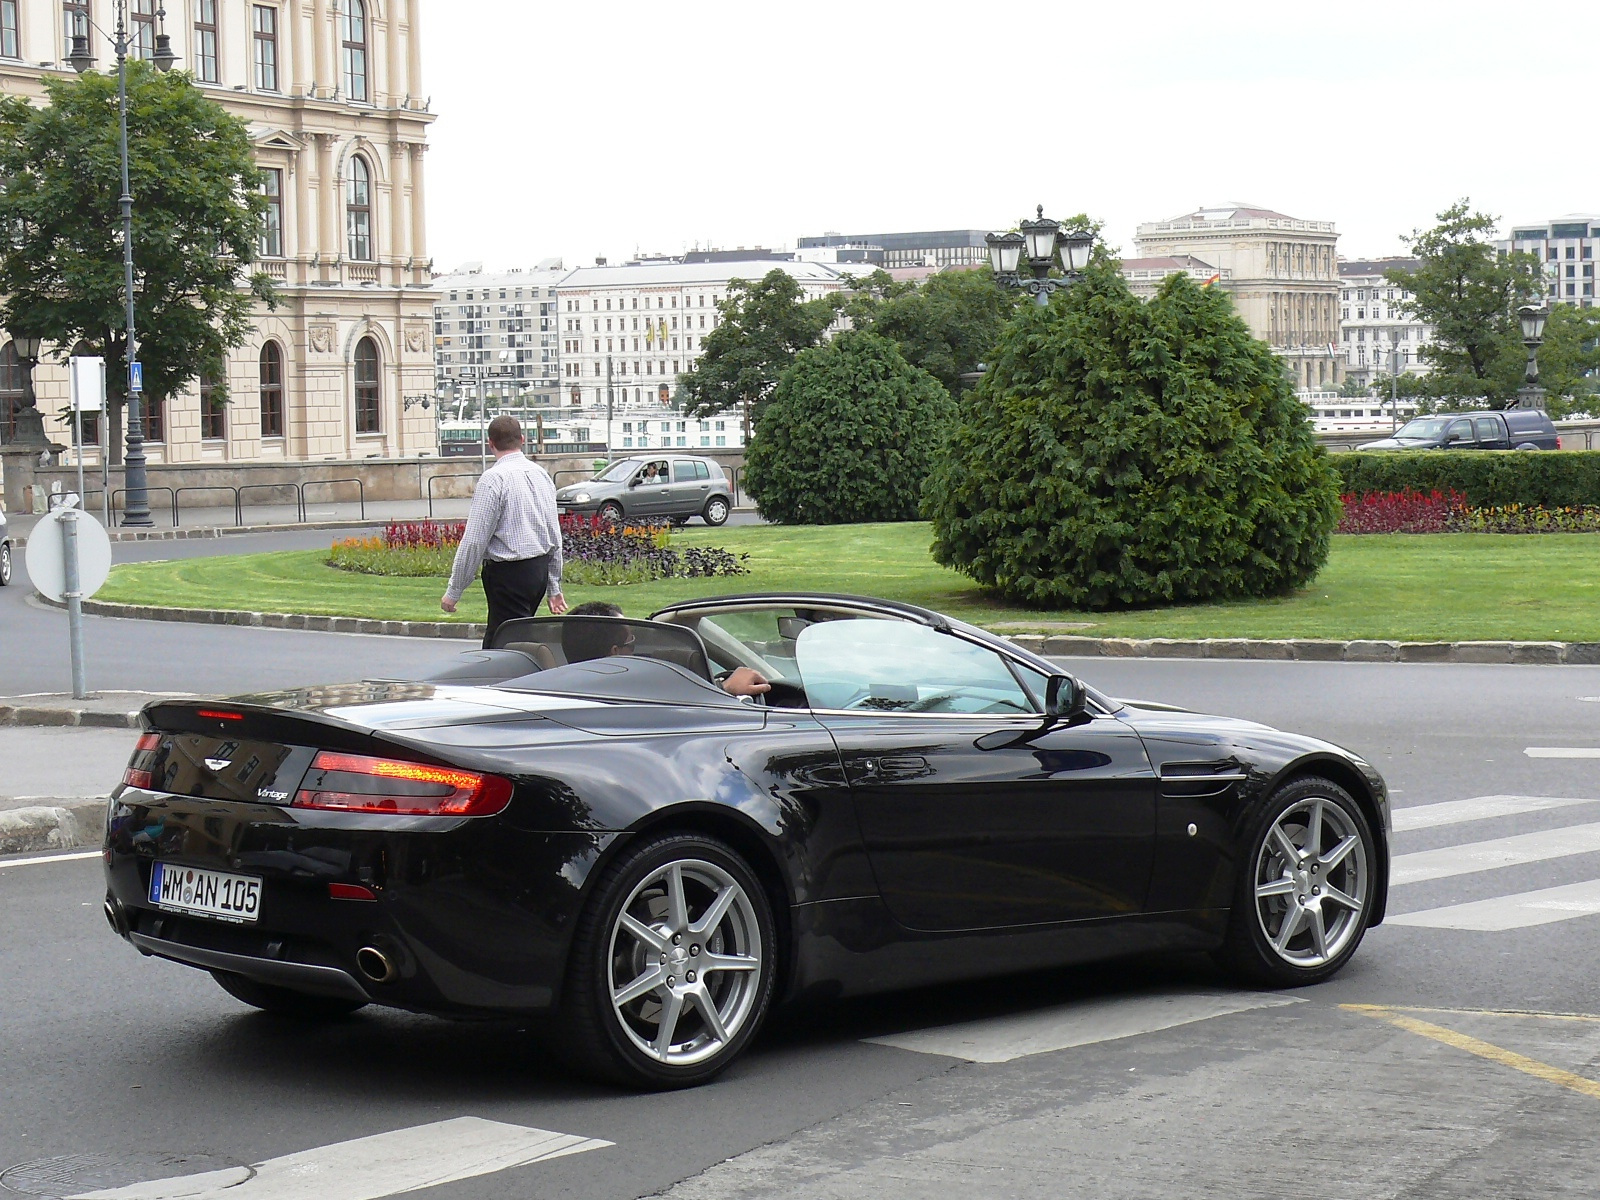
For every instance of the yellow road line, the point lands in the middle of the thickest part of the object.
(1483, 1049)
(1475, 1012)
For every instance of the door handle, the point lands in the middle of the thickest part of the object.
(902, 762)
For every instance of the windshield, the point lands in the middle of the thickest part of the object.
(1424, 428)
(618, 471)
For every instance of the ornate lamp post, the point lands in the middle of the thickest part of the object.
(1530, 394)
(30, 425)
(1041, 238)
(137, 508)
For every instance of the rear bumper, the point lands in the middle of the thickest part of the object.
(475, 916)
(300, 977)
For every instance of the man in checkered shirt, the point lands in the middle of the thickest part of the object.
(514, 530)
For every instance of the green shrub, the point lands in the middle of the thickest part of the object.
(1120, 454)
(847, 436)
(1486, 478)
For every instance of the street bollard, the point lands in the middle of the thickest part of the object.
(73, 595)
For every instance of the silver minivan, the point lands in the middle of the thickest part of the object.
(653, 487)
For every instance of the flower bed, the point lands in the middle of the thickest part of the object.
(596, 552)
(1448, 512)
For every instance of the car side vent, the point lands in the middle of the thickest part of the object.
(1193, 780)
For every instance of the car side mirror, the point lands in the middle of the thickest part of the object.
(634, 482)
(1065, 699)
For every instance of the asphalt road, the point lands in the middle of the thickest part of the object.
(1477, 1075)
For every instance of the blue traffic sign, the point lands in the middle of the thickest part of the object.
(136, 377)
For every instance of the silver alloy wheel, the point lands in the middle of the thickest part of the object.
(5, 565)
(716, 511)
(684, 964)
(1311, 882)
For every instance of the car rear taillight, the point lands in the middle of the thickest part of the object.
(138, 773)
(357, 783)
(1558, 441)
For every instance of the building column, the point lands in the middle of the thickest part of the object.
(305, 207)
(414, 48)
(419, 211)
(322, 47)
(329, 196)
(394, 83)
(299, 74)
(399, 231)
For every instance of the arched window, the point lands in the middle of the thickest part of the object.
(11, 391)
(354, 21)
(213, 409)
(271, 391)
(368, 389)
(358, 210)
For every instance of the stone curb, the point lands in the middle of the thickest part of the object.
(1269, 649)
(45, 829)
(1311, 650)
(86, 718)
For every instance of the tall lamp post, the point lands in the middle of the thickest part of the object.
(1041, 238)
(1530, 394)
(136, 510)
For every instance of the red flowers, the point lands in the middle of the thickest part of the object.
(1403, 512)
(423, 535)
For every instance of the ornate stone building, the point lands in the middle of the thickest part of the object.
(332, 93)
(1283, 273)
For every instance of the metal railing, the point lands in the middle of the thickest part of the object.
(207, 487)
(361, 492)
(433, 479)
(299, 504)
(149, 488)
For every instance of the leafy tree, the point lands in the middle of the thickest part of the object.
(847, 435)
(948, 325)
(762, 326)
(1569, 360)
(197, 211)
(1469, 293)
(1119, 453)
(1354, 388)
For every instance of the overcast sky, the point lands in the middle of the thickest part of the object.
(581, 129)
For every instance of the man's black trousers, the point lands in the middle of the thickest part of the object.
(514, 589)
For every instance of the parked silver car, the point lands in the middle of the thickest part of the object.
(658, 487)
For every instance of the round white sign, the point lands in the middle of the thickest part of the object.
(47, 559)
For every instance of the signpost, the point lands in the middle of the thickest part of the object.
(87, 377)
(69, 557)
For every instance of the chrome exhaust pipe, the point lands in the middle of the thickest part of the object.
(116, 918)
(376, 965)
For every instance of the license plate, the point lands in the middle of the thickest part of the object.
(235, 898)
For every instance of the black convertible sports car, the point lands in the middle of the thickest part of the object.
(582, 823)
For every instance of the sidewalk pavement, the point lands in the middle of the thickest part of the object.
(54, 784)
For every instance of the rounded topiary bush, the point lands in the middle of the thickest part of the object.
(848, 435)
(1121, 453)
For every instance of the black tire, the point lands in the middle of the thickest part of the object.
(282, 1001)
(5, 563)
(1310, 895)
(716, 510)
(607, 1041)
(611, 511)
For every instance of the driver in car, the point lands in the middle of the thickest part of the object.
(584, 640)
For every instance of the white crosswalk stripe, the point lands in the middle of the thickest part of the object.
(1517, 910)
(1479, 808)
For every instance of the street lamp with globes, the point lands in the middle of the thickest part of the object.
(136, 510)
(1040, 238)
(1532, 318)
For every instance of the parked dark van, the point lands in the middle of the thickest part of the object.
(1513, 429)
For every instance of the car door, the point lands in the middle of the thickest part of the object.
(650, 498)
(1458, 435)
(975, 811)
(688, 490)
(1491, 433)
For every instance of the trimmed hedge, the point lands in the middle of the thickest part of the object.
(1487, 478)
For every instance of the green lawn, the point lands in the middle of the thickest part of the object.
(1445, 587)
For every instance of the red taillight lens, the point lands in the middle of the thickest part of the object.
(217, 714)
(138, 773)
(357, 783)
(1558, 443)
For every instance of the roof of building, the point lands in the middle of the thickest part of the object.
(933, 239)
(755, 253)
(678, 274)
(1353, 267)
(472, 275)
(1180, 262)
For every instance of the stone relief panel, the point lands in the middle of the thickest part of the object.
(321, 338)
(416, 338)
